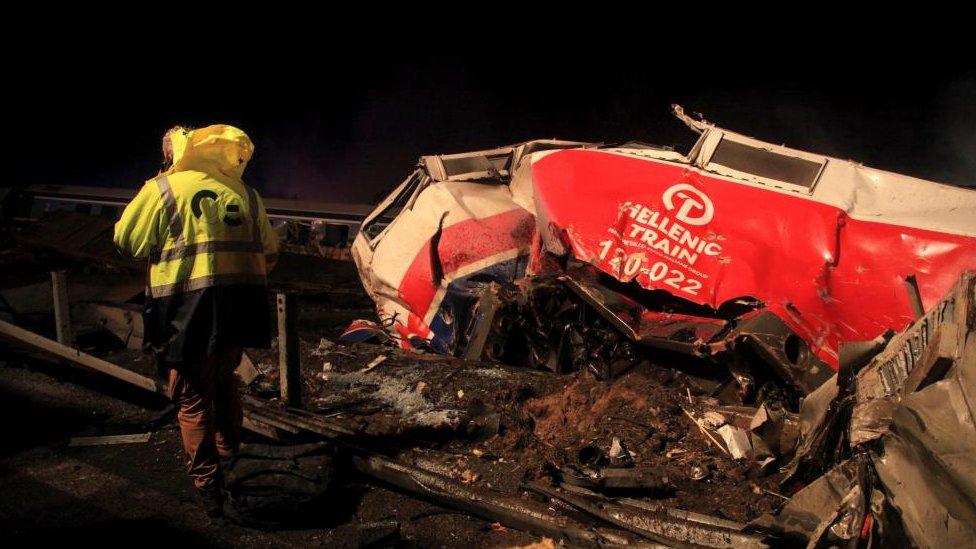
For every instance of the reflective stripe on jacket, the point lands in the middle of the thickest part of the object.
(198, 224)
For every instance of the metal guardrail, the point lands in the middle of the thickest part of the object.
(109, 202)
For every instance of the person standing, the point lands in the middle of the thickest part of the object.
(210, 248)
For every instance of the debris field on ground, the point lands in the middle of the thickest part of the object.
(631, 362)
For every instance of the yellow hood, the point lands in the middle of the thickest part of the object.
(218, 148)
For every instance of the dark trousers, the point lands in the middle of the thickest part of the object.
(209, 399)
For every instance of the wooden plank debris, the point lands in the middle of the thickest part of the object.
(50, 347)
(138, 438)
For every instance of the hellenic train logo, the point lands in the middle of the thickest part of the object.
(694, 208)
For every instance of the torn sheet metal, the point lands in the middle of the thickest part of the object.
(912, 360)
(927, 455)
(909, 412)
(829, 260)
(422, 269)
(858, 403)
(822, 245)
(811, 510)
(927, 466)
(673, 331)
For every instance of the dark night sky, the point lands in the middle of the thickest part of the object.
(332, 125)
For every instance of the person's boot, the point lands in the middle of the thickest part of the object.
(212, 501)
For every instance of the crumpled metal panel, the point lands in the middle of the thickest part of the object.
(912, 411)
(711, 239)
(912, 359)
(927, 463)
(453, 236)
(809, 511)
(673, 331)
(927, 456)
(829, 261)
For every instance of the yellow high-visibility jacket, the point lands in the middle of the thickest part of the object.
(197, 223)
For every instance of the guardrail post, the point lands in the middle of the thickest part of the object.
(62, 309)
(289, 357)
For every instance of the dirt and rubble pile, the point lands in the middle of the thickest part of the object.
(504, 427)
(646, 416)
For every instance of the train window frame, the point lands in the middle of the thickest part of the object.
(400, 199)
(781, 154)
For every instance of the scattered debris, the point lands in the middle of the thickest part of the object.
(606, 443)
(736, 441)
(619, 455)
(383, 533)
(376, 362)
(491, 505)
(704, 428)
(545, 543)
(656, 527)
(362, 331)
(246, 371)
(107, 440)
(698, 472)
(655, 373)
(323, 348)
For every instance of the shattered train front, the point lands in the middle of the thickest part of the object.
(566, 255)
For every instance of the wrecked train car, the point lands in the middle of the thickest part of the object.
(886, 446)
(563, 254)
